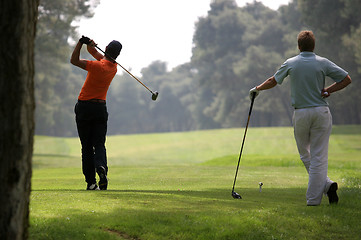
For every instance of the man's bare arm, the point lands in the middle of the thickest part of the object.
(75, 57)
(269, 83)
(336, 86)
(91, 49)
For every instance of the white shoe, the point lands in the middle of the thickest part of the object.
(92, 187)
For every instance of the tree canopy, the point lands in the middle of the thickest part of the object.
(234, 49)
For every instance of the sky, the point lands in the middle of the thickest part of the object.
(150, 30)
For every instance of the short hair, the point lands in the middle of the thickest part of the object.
(306, 41)
(113, 49)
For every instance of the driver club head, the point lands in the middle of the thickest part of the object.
(236, 195)
(154, 95)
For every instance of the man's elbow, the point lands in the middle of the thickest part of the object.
(348, 79)
(72, 61)
(75, 62)
(272, 81)
(79, 63)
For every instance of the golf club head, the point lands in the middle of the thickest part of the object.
(154, 95)
(236, 195)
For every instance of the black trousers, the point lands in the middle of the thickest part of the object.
(91, 121)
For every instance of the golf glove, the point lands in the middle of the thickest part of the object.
(253, 91)
(84, 40)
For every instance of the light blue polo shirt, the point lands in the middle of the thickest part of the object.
(307, 73)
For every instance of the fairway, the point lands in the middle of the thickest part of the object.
(178, 186)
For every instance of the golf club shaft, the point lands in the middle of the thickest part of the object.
(244, 138)
(125, 70)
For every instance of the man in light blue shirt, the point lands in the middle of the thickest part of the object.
(312, 119)
(307, 73)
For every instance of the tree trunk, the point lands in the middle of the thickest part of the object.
(17, 33)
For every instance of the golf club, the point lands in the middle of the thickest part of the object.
(234, 194)
(154, 94)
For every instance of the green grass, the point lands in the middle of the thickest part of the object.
(178, 186)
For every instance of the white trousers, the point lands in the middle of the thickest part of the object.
(312, 129)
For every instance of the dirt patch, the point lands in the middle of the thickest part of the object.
(122, 235)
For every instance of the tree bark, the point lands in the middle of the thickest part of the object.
(17, 33)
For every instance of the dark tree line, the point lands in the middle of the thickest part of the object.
(234, 49)
(56, 82)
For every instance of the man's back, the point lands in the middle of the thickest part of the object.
(307, 73)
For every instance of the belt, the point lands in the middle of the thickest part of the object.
(92, 101)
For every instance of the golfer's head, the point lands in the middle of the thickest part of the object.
(306, 41)
(113, 49)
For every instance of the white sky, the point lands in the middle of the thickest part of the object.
(150, 30)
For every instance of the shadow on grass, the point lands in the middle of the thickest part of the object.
(274, 213)
(251, 197)
(203, 214)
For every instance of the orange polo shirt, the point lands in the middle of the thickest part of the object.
(97, 82)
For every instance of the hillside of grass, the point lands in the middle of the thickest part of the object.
(267, 146)
(169, 148)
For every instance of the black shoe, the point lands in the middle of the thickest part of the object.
(93, 186)
(103, 181)
(331, 193)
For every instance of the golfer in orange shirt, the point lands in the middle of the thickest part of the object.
(91, 111)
